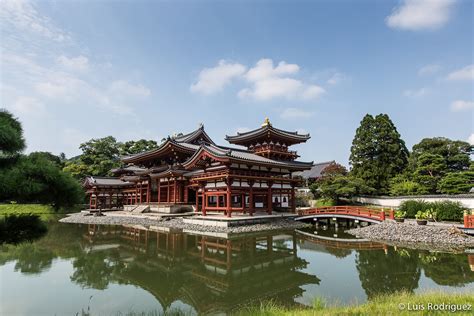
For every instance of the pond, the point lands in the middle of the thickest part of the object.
(108, 270)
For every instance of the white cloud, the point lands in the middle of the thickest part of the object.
(336, 78)
(79, 63)
(466, 73)
(470, 139)
(295, 113)
(264, 69)
(420, 14)
(429, 70)
(461, 105)
(22, 15)
(273, 82)
(28, 106)
(212, 80)
(415, 93)
(266, 81)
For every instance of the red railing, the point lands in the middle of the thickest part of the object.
(348, 210)
(468, 221)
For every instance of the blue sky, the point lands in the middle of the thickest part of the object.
(76, 70)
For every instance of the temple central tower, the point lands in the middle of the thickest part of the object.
(270, 142)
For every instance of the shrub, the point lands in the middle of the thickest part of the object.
(441, 211)
(400, 214)
(448, 210)
(411, 207)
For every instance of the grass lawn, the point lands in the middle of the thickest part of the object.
(46, 212)
(392, 304)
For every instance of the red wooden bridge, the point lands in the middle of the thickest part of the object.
(345, 211)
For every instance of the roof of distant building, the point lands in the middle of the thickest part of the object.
(315, 171)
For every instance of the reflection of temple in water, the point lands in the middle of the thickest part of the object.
(209, 273)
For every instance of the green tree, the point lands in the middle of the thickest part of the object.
(134, 147)
(98, 157)
(456, 182)
(36, 179)
(429, 169)
(455, 153)
(378, 153)
(11, 135)
(403, 185)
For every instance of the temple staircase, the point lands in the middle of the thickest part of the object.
(141, 209)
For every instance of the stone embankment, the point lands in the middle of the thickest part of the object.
(177, 223)
(430, 237)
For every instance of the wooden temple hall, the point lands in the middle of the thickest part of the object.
(192, 173)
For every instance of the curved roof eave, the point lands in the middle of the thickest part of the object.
(162, 148)
(264, 130)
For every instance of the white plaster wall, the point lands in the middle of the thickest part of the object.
(466, 200)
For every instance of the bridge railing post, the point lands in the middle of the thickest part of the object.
(392, 214)
(382, 215)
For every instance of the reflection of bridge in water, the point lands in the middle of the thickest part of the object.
(341, 243)
(209, 273)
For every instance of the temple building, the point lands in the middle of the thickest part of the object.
(192, 173)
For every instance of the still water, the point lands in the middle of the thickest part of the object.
(107, 270)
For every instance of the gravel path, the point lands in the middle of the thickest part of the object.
(277, 224)
(416, 236)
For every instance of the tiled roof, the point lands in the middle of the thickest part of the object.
(264, 131)
(197, 134)
(171, 170)
(243, 155)
(161, 148)
(106, 182)
(315, 171)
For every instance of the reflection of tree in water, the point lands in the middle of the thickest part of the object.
(447, 269)
(382, 273)
(32, 259)
(339, 252)
(96, 269)
(15, 229)
(36, 257)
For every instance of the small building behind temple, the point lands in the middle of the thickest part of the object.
(313, 174)
(191, 172)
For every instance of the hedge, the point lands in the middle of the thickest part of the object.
(445, 210)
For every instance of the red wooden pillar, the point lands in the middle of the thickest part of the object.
(204, 200)
(168, 191)
(197, 199)
(251, 202)
(158, 184)
(148, 189)
(228, 198)
(269, 198)
(293, 200)
(175, 188)
(90, 201)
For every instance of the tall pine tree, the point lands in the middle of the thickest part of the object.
(377, 153)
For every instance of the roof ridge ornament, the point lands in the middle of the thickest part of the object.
(266, 122)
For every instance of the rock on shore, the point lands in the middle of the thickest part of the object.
(415, 235)
(178, 223)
